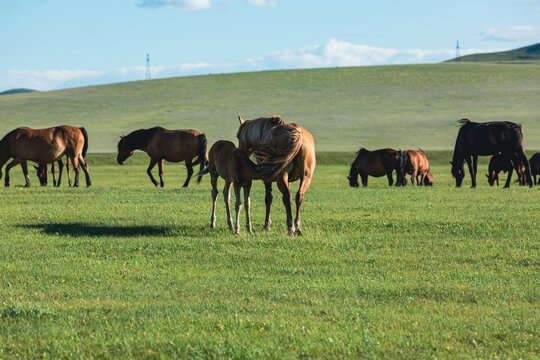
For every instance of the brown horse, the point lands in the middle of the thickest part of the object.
(535, 166)
(482, 139)
(44, 146)
(285, 152)
(498, 163)
(415, 163)
(234, 166)
(162, 144)
(375, 163)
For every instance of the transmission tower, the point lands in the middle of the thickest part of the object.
(147, 67)
(457, 52)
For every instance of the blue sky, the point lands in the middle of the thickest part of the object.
(54, 44)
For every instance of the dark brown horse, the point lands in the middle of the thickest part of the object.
(535, 166)
(161, 144)
(285, 152)
(375, 163)
(416, 164)
(483, 139)
(498, 163)
(234, 166)
(44, 146)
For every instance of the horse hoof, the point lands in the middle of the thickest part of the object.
(298, 232)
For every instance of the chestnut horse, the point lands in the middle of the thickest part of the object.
(498, 163)
(375, 163)
(535, 166)
(44, 146)
(234, 166)
(163, 144)
(415, 163)
(285, 152)
(484, 139)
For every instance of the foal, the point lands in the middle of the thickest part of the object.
(234, 166)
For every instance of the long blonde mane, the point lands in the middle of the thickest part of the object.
(255, 129)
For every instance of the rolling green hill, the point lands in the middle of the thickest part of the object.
(526, 53)
(405, 106)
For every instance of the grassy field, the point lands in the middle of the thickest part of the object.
(123, 270)
(405, 106)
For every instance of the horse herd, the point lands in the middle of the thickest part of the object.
(284, 152)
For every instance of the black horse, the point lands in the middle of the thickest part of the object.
(485, 139)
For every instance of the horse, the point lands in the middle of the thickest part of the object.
(498, 163)
(484, 139)
(44, 146)
(415, 163)
(42, 169)
(375, 163)
(285, 152)
(232, 165)
(163, 144)
(535, 166)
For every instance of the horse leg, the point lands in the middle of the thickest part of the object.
(149, 171)
(13, 163)
(160, 172)
(413, 177)
(189, 167)
(304, 184)
(471, 171)
(475, 167)
(237, 207)
(268, 202)
(53, 173)
(227, 198)
(364, 177)
(25, 172)
(213, 181)
(525, 162)
(68, 172)
(76, 167)
(247, 203)
(390, 178)
(84, 166)
(283, 186)
(510, 172)
(60, 169)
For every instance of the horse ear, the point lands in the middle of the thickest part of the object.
(451, 162)
(241, 120)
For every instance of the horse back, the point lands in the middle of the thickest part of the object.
(173, 145)
(489, 138)
(377, 162)
(230, 163)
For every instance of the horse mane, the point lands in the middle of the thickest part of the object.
(255, 129)
(139, 139)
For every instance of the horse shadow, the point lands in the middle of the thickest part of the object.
(92, 230)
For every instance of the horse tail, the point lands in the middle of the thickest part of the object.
(202, 156)
(85, 146)
(204, 171)
(278, 150)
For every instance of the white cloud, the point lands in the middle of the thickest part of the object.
(263, 3)
(333, 53)
(184, 5)
(513, 33)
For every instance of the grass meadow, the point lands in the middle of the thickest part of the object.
(123, 270)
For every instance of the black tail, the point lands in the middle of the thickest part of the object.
(202, 157)
(85, 146)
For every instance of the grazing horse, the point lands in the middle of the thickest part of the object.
(44, 146)
(415, 163)
(498, 163)
(375, 163)
(285, 152)
(535, 166)
(484, 139)
(162, 144)
(234, 166)
(42, 169)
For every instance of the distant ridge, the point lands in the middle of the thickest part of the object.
(527, 53)
(16, 91)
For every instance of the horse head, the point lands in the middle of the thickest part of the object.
(41, 172)
(428, 179)
(458, 172)
(123, 151)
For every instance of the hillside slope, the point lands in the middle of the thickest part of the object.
(406, 106)
(526, 53)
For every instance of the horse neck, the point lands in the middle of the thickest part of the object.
(138, 140)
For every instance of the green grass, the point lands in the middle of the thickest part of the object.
(523, 54)
(405, 106)
(123, 270)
